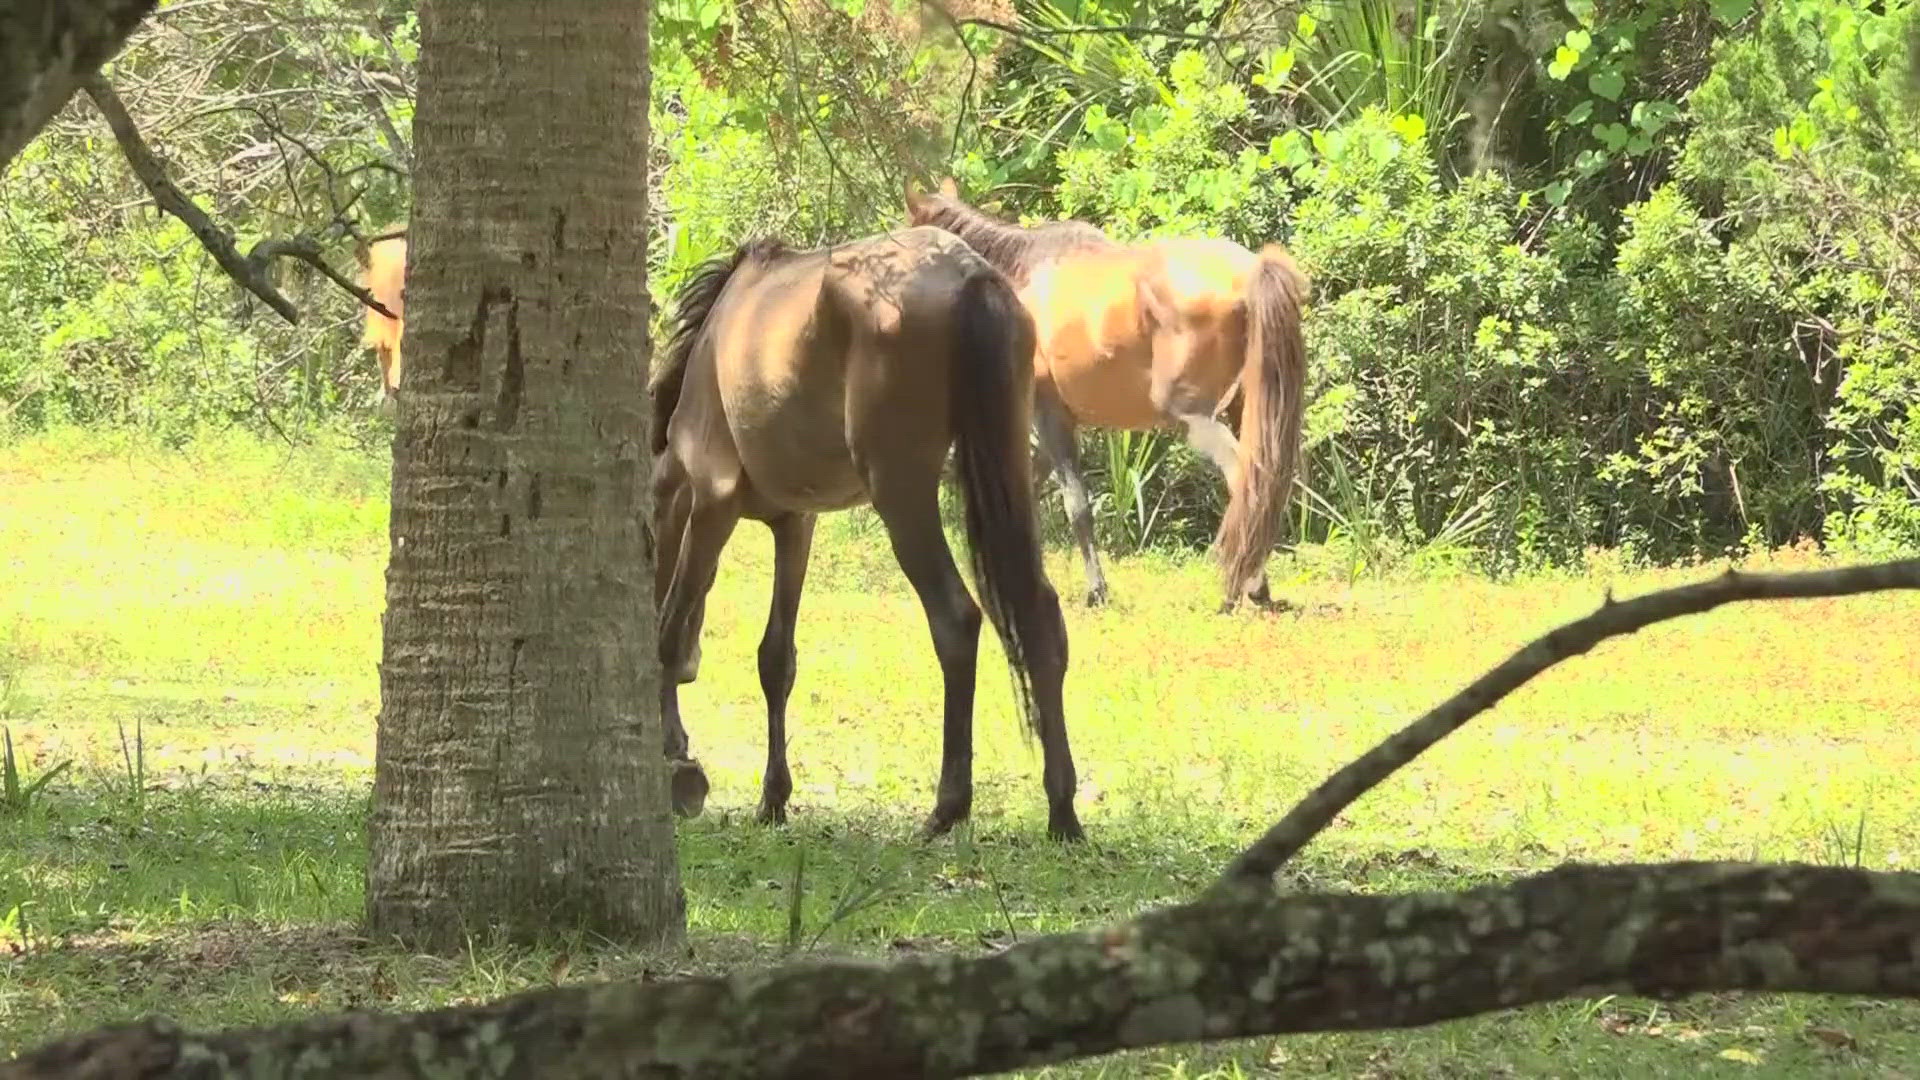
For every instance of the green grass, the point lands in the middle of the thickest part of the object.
(208, 619)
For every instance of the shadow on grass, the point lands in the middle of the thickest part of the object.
(222, 902)
(237, 903)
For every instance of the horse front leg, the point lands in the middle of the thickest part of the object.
(708, 527)
(792, 546)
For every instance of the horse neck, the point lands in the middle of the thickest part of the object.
(1005, 246)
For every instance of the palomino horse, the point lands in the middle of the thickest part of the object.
(1155, 334)
(799, 382)
(384, 275)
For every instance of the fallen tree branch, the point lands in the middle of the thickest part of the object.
(1216, 969)
(250, 270)
(46, 48)
(1314, 813)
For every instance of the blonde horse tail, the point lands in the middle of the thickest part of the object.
(991, 405)
(1274, 382)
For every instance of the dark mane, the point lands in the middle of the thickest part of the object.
(1013, 250)
(692, 304)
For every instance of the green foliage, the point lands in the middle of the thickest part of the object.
(1171, 167)
(1496, 372)
(1611, 89)
(1450, 324)
(1050, 83)
(1629, 273)
(1806, 134)
(164, 342)
(1410, 58)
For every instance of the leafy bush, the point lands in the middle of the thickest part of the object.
(1491, 370)
(1805, 134)
(1669, 306)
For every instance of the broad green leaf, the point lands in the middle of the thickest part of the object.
(1731, 11)
(1608, 83)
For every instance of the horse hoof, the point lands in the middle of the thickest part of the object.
(940, 823)
(689, 787)
(1066, 829)
(1097, 597)
(771, 815)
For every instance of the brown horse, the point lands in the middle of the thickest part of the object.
(384, 274)
(1151, 335)
(796, 382)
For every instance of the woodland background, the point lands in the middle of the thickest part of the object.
(1637, 276)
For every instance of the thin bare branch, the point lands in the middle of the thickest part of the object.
(1315, 812)
(800, 98)
(396, 144)
(307, 250)
(152, 173)
(973, 73)
(250, 270)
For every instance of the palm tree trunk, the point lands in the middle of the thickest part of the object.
(519, 786)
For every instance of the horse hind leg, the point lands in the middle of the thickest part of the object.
(911, 513)
(673, 502)
(792, 546)
(1054, 426)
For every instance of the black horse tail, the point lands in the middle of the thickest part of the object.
(991, 368)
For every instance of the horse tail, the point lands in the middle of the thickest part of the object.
(691, 305)
(991, 368)
(1273, 379)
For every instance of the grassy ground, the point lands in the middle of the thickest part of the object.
(198, 630)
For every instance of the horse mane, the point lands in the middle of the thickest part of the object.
(692, 304)
(1012, 249)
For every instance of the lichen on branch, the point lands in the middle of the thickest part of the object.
(1219, 968)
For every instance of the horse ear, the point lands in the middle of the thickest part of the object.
(948, 188)
(1155, 309)
(914, 197)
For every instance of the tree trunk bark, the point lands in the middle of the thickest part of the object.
(46, 48)
(519, 783)
(1249, 963)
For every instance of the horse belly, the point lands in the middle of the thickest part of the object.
(1103, 388)
(1089, 343)
(795, 453)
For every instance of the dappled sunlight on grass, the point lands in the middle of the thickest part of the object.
(207, 623)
